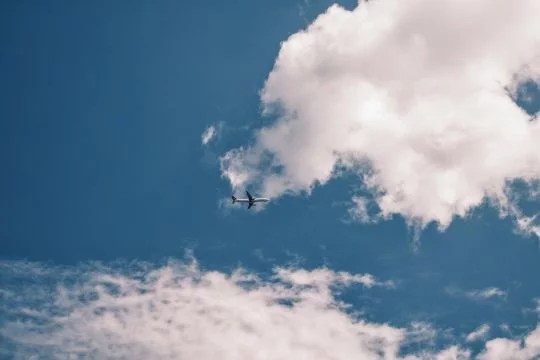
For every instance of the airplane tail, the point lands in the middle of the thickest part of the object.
(233, 199)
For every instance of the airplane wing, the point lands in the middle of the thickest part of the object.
(249, 196)
(250, 205)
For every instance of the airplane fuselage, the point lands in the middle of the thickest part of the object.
(254, 200)
(250, 200)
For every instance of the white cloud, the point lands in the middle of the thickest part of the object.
(182, 312)
(360, 211)
(534, 309)
(208, 134)
(487, 293)
(410, 96)
(421, 332)
(478, 295)
(324, 277)
(526, 224)
(518, 349)
(452, 353)
(479, 334)
(179, 311)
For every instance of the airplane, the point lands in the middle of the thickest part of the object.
(250, 200)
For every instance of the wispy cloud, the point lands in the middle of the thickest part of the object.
(479, 334)
(487, 293)
(179, 311)
(477, 295)
(421, 332)
(325, 277)
(209, 134)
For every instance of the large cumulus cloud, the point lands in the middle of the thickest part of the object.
(413, 97)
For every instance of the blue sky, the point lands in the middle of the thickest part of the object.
(103, 107)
